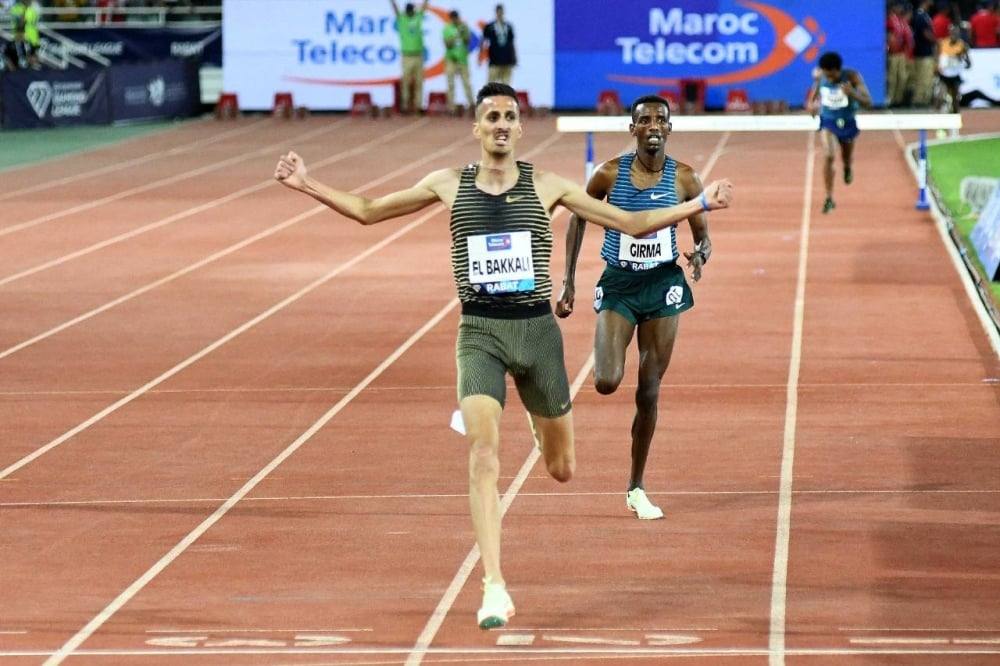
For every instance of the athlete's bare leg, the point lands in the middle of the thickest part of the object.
(554, 436)
(656, 345)
(614, 333)
(847, 156)
(829, 155)
(481, 415)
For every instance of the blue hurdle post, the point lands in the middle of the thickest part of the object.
(589, 169)
(922, 201)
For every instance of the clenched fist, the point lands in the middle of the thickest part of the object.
(719, 194)
(291, 171)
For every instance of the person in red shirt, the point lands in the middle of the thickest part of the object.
(899, 37)
(984, 26)
(941, 23)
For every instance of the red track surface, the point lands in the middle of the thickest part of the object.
(140, 390)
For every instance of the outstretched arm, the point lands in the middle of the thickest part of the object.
(395, 7)
(291, 172)
(598, 187)
(560, 190)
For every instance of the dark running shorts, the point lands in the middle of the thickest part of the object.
(643, 295)
(845, 129)
(531, 350)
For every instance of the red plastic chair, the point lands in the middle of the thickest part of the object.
(609, 103)
(361, 104)
(437, 104)
(737, 101)
(283, 105)
(227, 106)
(693, 95)
(673, 99)
(524, 103)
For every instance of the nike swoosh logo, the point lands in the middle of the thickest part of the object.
(511, 199)
(654, 196)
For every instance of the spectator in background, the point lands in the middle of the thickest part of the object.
(900, 47)
(456, 58)
(499, 38)
(27, 39)
(953, 57)
(410, 25)
(984, 26)
(942, 21)
(923, 54)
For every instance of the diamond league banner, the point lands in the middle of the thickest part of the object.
(766, 47)
(163, 89)
(140, 44)
(323, 51)
(55, 98)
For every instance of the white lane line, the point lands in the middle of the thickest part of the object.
(118, 166)
(205, 351)
(596, 640)
(443, 387)
(875, 640)
(434, 622)
(776, 638)
(176, 178)
(270, 231)
(432, 496)
(589, 652)
(632, 629)
(202, 630)
(714, 156)
(83, 634)
(925, 629)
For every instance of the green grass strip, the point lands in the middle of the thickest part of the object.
(948, 164)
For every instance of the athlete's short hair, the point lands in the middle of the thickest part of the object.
(831, 60)
(495, 89)
(648, 99)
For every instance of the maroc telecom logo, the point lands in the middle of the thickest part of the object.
(430, 71)
(791, 38)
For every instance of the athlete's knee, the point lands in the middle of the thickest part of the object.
(647, 396)
(561, 468)
(484, 460)
(607, 382)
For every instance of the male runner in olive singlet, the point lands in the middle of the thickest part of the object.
(642, 286)
(501, 242)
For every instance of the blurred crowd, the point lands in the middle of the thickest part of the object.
(928, 42)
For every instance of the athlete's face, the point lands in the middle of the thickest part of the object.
(498, 124)
(651, 127)
(832, 75)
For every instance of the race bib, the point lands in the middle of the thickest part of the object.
(833, 98)
(501, 263)
(646, 252)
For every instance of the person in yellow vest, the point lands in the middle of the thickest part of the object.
(27, 39)
(410, 26)
(953, 57)
(456, 58)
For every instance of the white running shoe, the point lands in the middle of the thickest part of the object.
(638, 503)
(497, 606)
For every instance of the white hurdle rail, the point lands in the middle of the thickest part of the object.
(776, 123)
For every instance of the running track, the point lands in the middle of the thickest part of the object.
(225, 422)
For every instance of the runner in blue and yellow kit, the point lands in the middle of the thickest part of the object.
(642, 286)
(836, 94)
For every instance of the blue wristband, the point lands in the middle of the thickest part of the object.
(704, 201)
